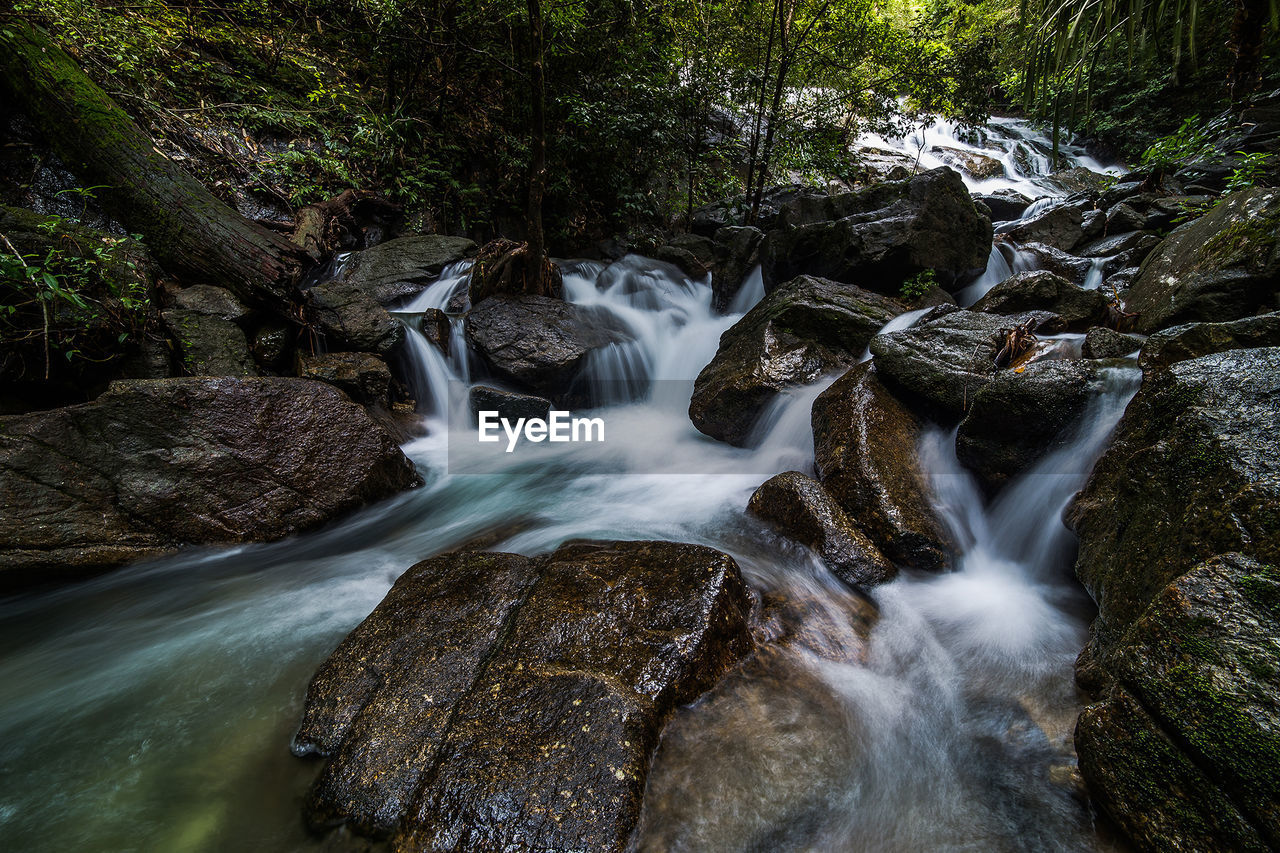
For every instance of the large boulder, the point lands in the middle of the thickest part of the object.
(943, 362)
(1060, 226)
(1193, 471)
(1018, 418)
(1220, 267)
(800, 508)
(1193, 340)
(1184, 750)
(353, 319)
(802, 330)
(865, 454)
(1041, 290)
(150, 466)
(397, 269)
(884, 235)
(536, 342)
(499, 702)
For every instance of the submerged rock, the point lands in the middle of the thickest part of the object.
(944, 362)
(397, 269)
(1220, 267)
(801, 331)
(881, 236)
(537, 342)
(494, 701)
(152, 465)
(1196, 339)
(1041, 290)
(800, 508)
(865, 444)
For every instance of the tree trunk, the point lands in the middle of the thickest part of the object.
(538, 147)
(189, 231)
(1246, 44)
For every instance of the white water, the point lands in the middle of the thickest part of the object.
(151, 709)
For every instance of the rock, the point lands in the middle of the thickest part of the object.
(800, 508)
(1220, 267)
(1125, 188)
(1045, 291)
(507, 404)
(1117, 243)
(209, 345)
(1101, 342)
(1196, 339)
(273, 345)
(737, 251)
(151, 361)
(801, 331)
(1184, 753)
(944, 362)
(1018, 418)
(887, 234)
(1060, 226)
(1164, 213)
(1122, 218)
(710, 218)
(1005, 205)
(701, 247)
(972, 163)
(1191, 473)
(1078, 180)
(683, 259)
(1073, 269)
(354, 319)
(403, 267)
(1092, 226)
(865, 455)
(436, 328)
(363, 377)
(152, 465)
(486, 686)
(209, 301)
(537, 342)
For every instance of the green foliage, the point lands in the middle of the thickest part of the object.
(1186, 144)
(1251, 172)
(919, 285)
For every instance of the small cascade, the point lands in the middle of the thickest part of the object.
(751, 292)
(1093, 278)
(903, 321)
(998, 269)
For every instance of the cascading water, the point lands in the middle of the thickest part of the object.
(151, 709)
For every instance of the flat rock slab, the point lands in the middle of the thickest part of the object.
(155, 464)
(500, 702)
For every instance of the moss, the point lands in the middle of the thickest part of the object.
(1245, 242)
(1262, 589)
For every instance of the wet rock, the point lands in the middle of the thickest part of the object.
(1185, 749)
(209, 345)
(1220, 267)
(353, 319)
(1117, 243)
(403, 267)
(1060, 227)
(1122, 218)
(886, 234)
(1005, 205)
(1101, 342)
(972, 163)
(683, 259)
(865, 444)
(153, 465)
(153, 360)
(1191, 473)
(702, 248)
(801, 331)
(944, 362)
(209, 301)
(273, 344)
(537, 342)
(710, 218)
(507, 404)
(533, 689)
(363, 377)
(737, 251)
(1018, 418)
(1092, 226)
(1078, 180)
(1196, 339)
(1045, 291)
(435, 327)
(800, 508)
(1072, 268)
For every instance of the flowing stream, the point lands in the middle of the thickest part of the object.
(151, 709)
